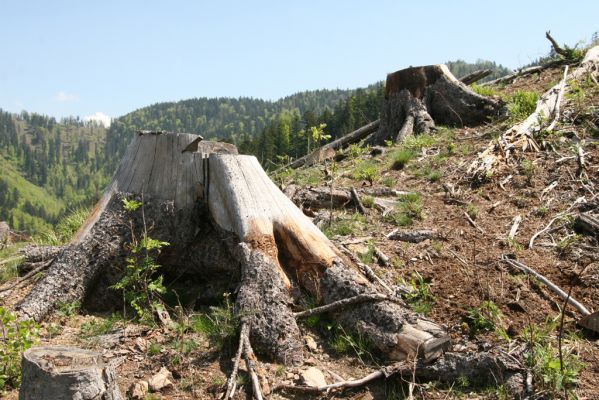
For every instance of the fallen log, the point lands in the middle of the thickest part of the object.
(418, 98)
(587, 223)
(225, 220)
(412, 236)
(320, 197)
(342, 142)
(66, 373)
(475, 76)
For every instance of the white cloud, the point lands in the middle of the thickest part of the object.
(100, 117)
(64, 96)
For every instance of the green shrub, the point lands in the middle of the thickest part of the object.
(366, 171)
(141, 284)
(521, 104)
(420, 296)
(65, 230)
(483, 318)
(17, 336)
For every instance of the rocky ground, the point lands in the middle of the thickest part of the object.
(457, 277)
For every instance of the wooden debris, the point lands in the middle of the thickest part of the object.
(475, 76)
(515, 226)
(474, 225)
(356, 201)
(412, 236)
(339, 304)
(340, 143)
(520, 137)
(587, 223)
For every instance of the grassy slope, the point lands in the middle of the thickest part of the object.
(28, 191)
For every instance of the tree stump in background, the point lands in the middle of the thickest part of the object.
(418, 98)
(67, 373)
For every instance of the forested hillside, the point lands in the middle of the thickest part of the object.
(48, 168)
(51, 167)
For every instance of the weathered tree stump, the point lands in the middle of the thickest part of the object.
(67, 373)
(226, 221)
(418, 98)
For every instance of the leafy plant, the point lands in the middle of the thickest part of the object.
(344, 342)
(420, 296)
(344, 226)
(368, 201)
(472, 210)
(368, 256)
(483, 318)
(65, 229)
(366, 171)
(68, 309)
(542, 357)
(483, 90)
(16, 337)
(141, 285)
(100, 326)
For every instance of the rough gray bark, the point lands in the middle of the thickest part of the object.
(154, 167)
(67, 373)
(418, 98)
(245, 202)
(412, 236)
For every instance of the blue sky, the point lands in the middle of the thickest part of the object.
(66, 58)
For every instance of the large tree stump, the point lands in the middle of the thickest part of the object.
(418, 98)
(67, 373)
(225, 220)
(277, 237)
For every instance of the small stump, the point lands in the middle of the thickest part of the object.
(61, 373)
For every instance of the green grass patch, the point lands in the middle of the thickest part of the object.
(483, 90)
(219, 324)
(401, 158)
(344, 225)
(521, 104)
(407, 210)
(366, 171)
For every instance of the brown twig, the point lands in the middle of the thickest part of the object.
(232, 383)
(471, 221)
(20, 282)
(250, 359)
(357, 201)
(336, 305)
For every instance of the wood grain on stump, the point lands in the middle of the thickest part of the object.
(65, 373)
